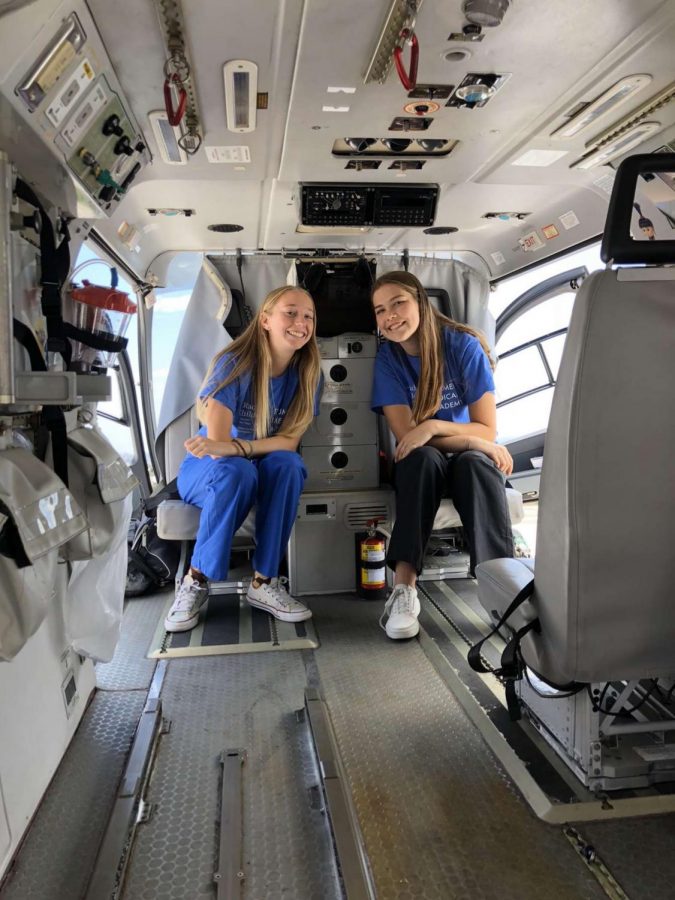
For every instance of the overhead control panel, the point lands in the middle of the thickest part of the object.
(382, 205)
(67, 90)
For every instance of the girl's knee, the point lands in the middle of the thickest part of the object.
(233, 474)
(284, 463)
(473, 460)
(419, 459)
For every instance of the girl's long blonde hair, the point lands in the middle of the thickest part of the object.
(430, 335)
(252, 353)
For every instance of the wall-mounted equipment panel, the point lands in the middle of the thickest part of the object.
(64, 86)
(410, 205)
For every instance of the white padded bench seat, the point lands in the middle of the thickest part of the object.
(448, 517)
(179, 521)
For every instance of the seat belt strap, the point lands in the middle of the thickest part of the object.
(473, 657)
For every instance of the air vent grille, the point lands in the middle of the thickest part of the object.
(357, 515)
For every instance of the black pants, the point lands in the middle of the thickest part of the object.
(423, 478)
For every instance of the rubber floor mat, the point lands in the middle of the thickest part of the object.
(228, 624)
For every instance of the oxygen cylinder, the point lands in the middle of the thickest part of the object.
(371, 578)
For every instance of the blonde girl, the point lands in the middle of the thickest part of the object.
(257, 400)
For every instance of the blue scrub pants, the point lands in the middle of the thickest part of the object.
(225, 489)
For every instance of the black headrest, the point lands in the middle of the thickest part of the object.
(617, 243)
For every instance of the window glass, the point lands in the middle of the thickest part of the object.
(167, 317)
(553, 349)
(522, 417)
(551, 315)
(523, 371)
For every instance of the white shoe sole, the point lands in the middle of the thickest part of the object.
(282, 616)
(399, 634)
(187, 625)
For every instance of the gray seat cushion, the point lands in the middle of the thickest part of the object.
(179, 521)
(448, 517)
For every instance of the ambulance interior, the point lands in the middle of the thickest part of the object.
(163, 166)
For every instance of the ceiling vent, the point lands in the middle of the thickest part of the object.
(225, 228)
(441, 229)
(167, 138)
(241, 97)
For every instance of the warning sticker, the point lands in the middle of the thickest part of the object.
(531, 242)
(569, 220)
(550, 232)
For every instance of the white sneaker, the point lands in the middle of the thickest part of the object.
(403, 607)
(190, 597)
(274, 598)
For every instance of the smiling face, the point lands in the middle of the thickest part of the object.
(289, 323)
(397, 313)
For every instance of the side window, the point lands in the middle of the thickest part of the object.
(167, 316)
(112, 415)
(529, 347)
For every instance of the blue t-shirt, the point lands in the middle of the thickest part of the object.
(237, 396)
(467, 376)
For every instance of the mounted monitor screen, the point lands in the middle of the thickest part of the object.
(341, 292)
(653, 216)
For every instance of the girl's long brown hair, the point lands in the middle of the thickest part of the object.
(252, 353)
(430, 335)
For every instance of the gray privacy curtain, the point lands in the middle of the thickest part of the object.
(468, 289)
(202, 335)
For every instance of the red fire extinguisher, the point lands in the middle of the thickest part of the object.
(371, 580)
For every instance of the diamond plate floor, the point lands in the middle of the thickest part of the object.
(217, 703)
(58, 854)
(439, 817)
(129, 669)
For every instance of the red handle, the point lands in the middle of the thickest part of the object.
(409, 78)
(175, 116)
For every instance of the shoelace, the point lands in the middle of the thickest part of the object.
(401, 601)
(187, 597)
(280, 591)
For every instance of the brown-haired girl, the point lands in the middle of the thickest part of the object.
(257, 400)
(433, 384)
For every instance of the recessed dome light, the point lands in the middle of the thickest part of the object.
(474, 93)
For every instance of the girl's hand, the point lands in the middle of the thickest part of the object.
(201, 446)
(499, 455)
(416, 437)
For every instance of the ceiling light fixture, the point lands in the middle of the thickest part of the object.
(241, 94)
(167, 137)
(475, 93)
(616, 95)
(635, 116)
(617, 146)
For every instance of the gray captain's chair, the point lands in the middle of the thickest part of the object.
(604, 575)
